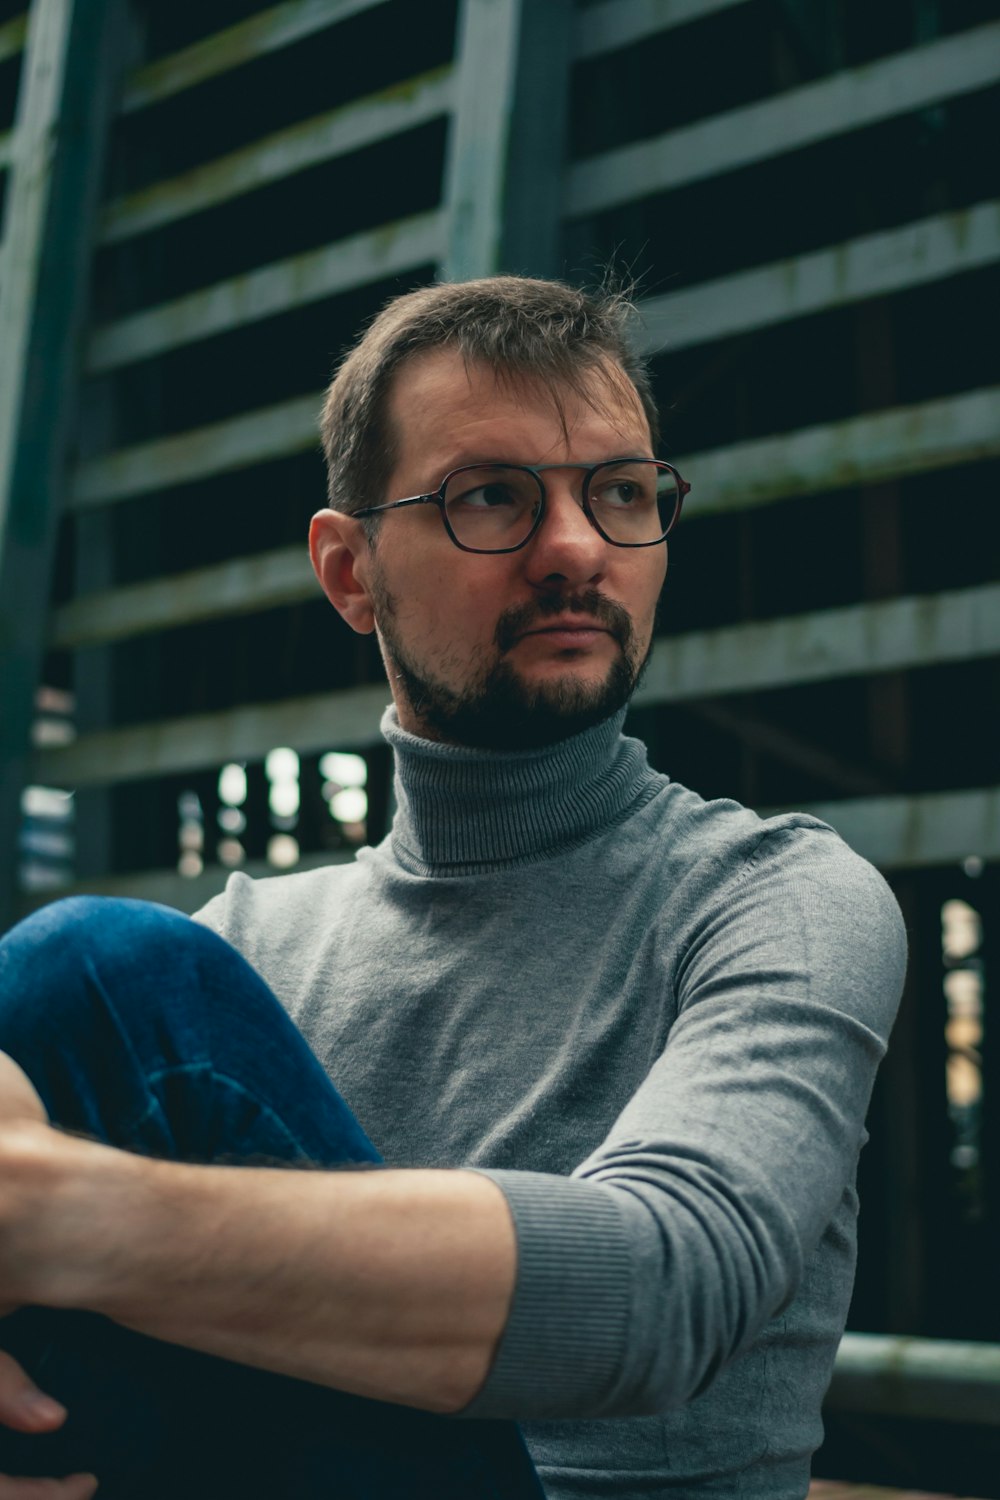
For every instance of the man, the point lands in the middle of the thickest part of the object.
(617, 1043)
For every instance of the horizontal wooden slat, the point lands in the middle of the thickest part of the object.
(619, 23)
(960, 625)
(343, 720)
(860, 450)
(224, 50)
(264, 293)
(275, 158)
(940, 1380)
(255, 437)
(244, 585)
(12, 36)
(903, 833)
(872, 266)
(185, 893)
(918, 631)
(801, 117)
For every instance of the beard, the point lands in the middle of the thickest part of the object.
(498, 710)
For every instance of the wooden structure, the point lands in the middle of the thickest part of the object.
(200, 207)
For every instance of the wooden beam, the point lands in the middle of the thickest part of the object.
(506, 145)
(940, 1380)
(904, 833)
(324, 721)
(872, 266)
(613, 24)
(254, 437)
(168, 888)
(352, 126)
(962, 625)
(268, 291)
(859, 450)
(862, 639)
(265, 32)
(243, 586)
(64, 103)
(800, 117)
(6, 149)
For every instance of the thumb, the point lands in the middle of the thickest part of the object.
(22, 1405)
(19, 1099)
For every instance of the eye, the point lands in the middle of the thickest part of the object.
(492, 496)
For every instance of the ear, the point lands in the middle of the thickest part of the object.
(341, 558)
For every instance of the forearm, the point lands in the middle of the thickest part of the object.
(392, 1285)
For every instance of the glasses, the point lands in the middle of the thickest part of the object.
(630, 502)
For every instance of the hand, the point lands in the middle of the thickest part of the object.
(27, 1409)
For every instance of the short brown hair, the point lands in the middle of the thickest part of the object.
(525, 329)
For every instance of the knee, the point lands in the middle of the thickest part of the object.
(46, 959)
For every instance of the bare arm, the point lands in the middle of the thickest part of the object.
(392, 1285)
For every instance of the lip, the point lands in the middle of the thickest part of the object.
(570, 632)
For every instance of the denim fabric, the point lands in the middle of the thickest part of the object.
(147, 1031)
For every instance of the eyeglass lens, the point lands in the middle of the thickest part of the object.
(493, 507)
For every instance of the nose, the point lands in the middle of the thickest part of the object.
(566, 548)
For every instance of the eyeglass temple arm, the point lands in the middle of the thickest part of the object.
(371, 510)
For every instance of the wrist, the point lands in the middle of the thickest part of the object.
(59, 1201)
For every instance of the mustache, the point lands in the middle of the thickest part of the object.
(607, 613)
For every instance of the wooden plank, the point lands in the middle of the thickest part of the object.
(255, 437)
(618, 23)
(12, 36)
(859, 450)
(184, 893)
(892, 635)
(269, 291)
(908, 833)
(941, 1380)
(243, 586)
(276, 157)
(259, 34)
(872, 266)
(347, 720)
(60, 131)
(800, 117)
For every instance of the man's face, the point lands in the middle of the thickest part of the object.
(508, 650)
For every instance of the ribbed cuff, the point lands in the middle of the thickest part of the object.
(562, 1351)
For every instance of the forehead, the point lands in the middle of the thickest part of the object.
(444, 411)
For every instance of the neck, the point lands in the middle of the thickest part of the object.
(461, 810)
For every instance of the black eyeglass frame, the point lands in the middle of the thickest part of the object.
(589, 470)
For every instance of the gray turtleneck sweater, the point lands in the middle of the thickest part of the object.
(654, 1021)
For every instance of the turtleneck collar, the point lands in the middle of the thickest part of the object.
(462, 811)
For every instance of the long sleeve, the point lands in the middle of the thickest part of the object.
(674, 1243)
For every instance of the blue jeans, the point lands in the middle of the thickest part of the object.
(146, 1031)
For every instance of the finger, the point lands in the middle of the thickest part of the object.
(22, 1405)
(74, 1487)
(19, 1099)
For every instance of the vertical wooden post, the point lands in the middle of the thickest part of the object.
(506, 151)
(69, 75)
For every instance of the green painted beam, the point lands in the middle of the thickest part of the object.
(613, 24)
(346, 720)
(800, 117)
(937, 1380)
(64, 103)
(507, 141)
(276, 157)
(363, 258)
(259, 34)
(874, 265)
(859, 450)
